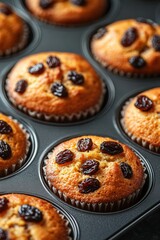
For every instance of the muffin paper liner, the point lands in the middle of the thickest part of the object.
(20, 45)
(21, 161)
(138, 140)
(102, 206)
(67, 117)
(122, 73)
(67, 223)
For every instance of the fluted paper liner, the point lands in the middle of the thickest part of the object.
(14, 167)
(102, 206)
(138, 140)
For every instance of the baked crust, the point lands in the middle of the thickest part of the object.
(38, 96)
(11, 31)
(144, 125)
(17, 141)
(109, 51)
(51, 227)
(113, 186)
(63, 12)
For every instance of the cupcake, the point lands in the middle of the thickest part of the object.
(141, 119)
(14, 145)
(95, 173)
(28, 217)
(55, 86)
(129, 47)
(67, 12)
(13, 31)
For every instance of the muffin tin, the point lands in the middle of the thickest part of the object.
(44, 135)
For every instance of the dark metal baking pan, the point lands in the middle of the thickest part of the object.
(47, 37)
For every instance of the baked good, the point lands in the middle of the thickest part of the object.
(94, 172)
(67, 12)
(130, 46)
(27, 217)
(55, 86)
(13, 31)
(141, 119)
(14, 145)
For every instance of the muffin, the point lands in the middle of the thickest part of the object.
(28, 217)
(67, 12)
(13, 31)
(141, 119)
(129, 47)
(95, 173)
(55, 86)
(14, 145)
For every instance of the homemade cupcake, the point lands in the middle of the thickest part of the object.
(141, 119)
(129, 47)
(14, 145)
(28, 217)
(95, 173)
(13, 31)
(55, 86)
(67, 12)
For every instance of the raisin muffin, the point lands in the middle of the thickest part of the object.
(95, 173)
(141, 119)
(55, 86)
(13, 31)
(67, 12)
(28, 217)
(129, 47)
(14, 145)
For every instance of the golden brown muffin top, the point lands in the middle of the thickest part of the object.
(13, 142)
(92, 169)
(54, 83)
(143, 120)
(11, 28)
(67, 12)
(131, 46)
(44, 222)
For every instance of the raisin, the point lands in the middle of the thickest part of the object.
(78, 2)
(36, 69)
(143, 103)
(5, 128)
(146, 21)
(30, 213)
(64, 156)
(84, 144)
(126, 170)
(53, 62)
(88, 185)
(3, 234)
(111, 148)
(129, 37)
(137, 62)
(3, 203)
(75, 77)
(5, 150)
(59, 90)
(90, 167)
(21, 86)
(6, 10)
(45, 3)
(100, 33)
(156, 42)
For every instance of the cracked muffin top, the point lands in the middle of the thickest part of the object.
(55, 85)
(94, 169)
(129, 46)
(12, 30)
(26, 217)
(141, 119)
(67, 12)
